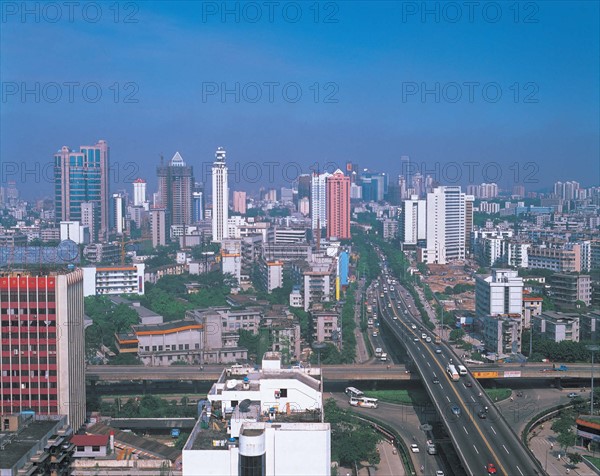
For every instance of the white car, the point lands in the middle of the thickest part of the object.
(439, 473)
(413, 326)
(423, 336)
(414, 448)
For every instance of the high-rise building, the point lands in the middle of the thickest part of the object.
(139, 192)
(82, 177)
(175, 187)
(499, 294)
(90, 218)
(43, 362)
(304, 186)
(338, 206)
(318, 200)
(119, 213)
(446, 221)
(158, 224)
(198, 203)
(413, 221)
(220, 197)
(469, 201)
(239, 202)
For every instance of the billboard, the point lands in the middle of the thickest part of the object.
(485, 374)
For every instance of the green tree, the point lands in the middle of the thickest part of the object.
(575, 458)
(457, 334)
(566, 439)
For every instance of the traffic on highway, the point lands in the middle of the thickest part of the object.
(482, 438)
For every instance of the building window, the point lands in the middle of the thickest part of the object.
(95, 449)
(80, 448)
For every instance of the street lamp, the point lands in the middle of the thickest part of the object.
(319, 346)
(592, 349)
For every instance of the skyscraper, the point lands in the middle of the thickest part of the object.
(220, 197)
(175, 187)
(139, 192)
(338, 206)
(318, 200)
(43, 362)
(82, 177)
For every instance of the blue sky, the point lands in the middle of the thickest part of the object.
(373, 63)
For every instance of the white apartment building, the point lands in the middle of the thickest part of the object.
(446, 226)
(413, 221)
(499, 294)
(101, 280)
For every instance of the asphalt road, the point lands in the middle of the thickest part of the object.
(478, 442)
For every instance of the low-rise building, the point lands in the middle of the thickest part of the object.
(272, 274)
(296, 299)
(90, 446)
(270, 414)
(36, 445)
(163, 344)
(502, 334)
(567, 289)
(326, 326)
(532, 306)
(102, 280)
(556, 326)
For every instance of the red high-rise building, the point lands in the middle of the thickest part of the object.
(338, 206)
(43, 351)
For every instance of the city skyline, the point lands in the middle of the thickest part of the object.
(367, 90)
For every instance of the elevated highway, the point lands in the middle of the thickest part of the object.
(478, 431)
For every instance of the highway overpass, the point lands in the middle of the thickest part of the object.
(376, 371)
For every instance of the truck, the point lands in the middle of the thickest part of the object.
(561, 368)
(238, 369)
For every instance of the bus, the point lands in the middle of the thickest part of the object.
(354, 392)
(462, 370)
(365, 402)
(451, 369)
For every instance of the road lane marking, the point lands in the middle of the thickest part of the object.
(434, 374)
(520, 471)
(448, 397)
(465, 430)
(472, 398)
(429, 364)
(441, 386)
(475, 448)
(493, 429)
(505, 449)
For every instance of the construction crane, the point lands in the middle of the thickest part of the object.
(125, 243)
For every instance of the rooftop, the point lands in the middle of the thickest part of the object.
(18, 444)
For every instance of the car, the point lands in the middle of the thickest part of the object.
(428, 339)
(375, 334)
(395, 318)
(468, 384)
(438, 350)
(572, 395)
(416, 339)
(491, 469)
(414, 448)
(435, 380)
(544, 370)
(423, 336)
(439, 472)
(413, 327)
(455, 409)
(482, 414)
